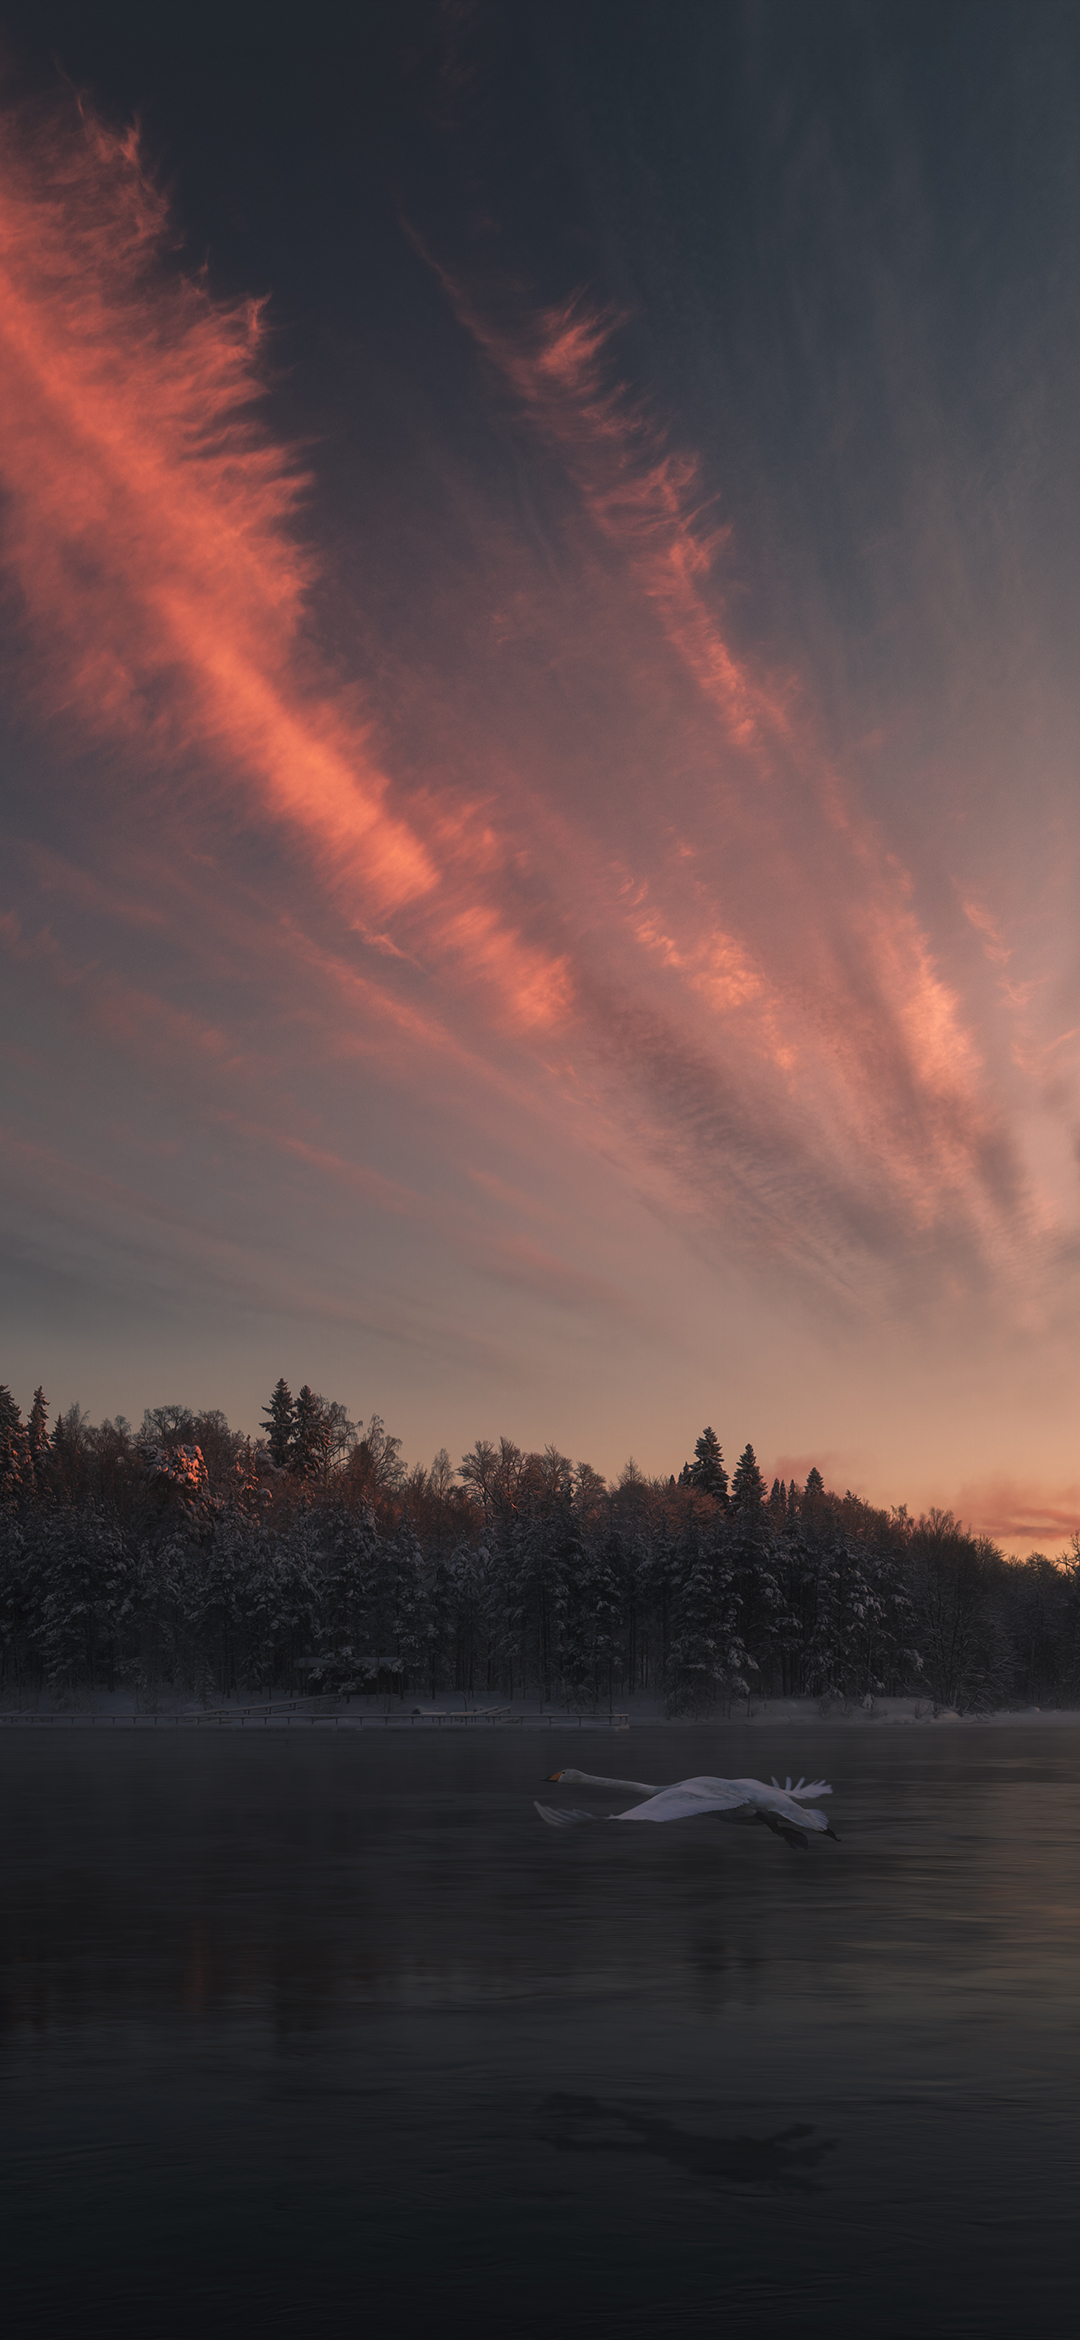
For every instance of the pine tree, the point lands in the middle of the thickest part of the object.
(309, 1455)
(15, 1600)
(279, 1422)
(708, 1655)
(571, 1592)
(14, 1449)
(88, 1578)
(608, 1606)
(279, 1588)
(707, 1469)
(468, 1595)
(409, 1623)
(37, 1428)
(353, 1607)
(748, 1486)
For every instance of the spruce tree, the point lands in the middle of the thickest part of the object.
(308, 1456)
(747, 1486)
(14, 1448)
(37, 1428)
(608, 1606)
(279, 1422)
(707, 1469)
(353, 1603)
(708, 1657)
(88, 1578)
(409, 1622)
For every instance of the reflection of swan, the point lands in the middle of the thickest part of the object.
(584, 2124)
(780, 1808)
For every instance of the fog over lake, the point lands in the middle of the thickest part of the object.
(329, 2032)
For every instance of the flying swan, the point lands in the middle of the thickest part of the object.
(783, 1809)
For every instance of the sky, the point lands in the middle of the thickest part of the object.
(539, 720)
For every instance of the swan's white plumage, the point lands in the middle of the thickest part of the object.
(687, 1797)
(690, 1796)
(783, 1809)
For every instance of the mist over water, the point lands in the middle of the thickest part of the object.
(330, 2033)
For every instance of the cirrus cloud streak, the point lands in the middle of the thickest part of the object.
(561, 869)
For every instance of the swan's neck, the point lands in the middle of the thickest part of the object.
(638, 1787)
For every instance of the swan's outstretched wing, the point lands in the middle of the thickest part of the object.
(567, 1819)
(805, 1789)
(690, 1796)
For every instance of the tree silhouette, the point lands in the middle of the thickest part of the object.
(707, 1469)
(748, 1486)
(187, 1557)
(279, 1422)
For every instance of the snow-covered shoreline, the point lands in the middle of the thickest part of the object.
(456, 1718)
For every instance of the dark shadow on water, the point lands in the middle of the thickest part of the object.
(779, 2160)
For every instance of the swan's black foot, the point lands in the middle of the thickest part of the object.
(793, 1837)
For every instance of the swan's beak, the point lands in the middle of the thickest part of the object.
(552, 1776)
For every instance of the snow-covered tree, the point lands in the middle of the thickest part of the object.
(708, 1658)
(15, 1460)
(279, 1423)
(748, 1486)
(352, 1613)
(37, 1429)
(85, 1583)
(707, 1472)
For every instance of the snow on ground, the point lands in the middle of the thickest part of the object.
(453, 1714)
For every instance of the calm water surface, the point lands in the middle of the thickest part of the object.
(330, 2033)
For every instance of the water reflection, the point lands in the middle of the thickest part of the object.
(335, 2030)
(582, 2124)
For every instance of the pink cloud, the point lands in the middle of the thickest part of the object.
(150, 529)
(1020, 1513)
(825, 965)
(639, 912)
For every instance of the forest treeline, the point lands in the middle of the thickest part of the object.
(186, 1557)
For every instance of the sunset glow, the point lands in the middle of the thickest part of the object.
(541, 840)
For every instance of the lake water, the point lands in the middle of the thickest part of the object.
(330, 2034)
